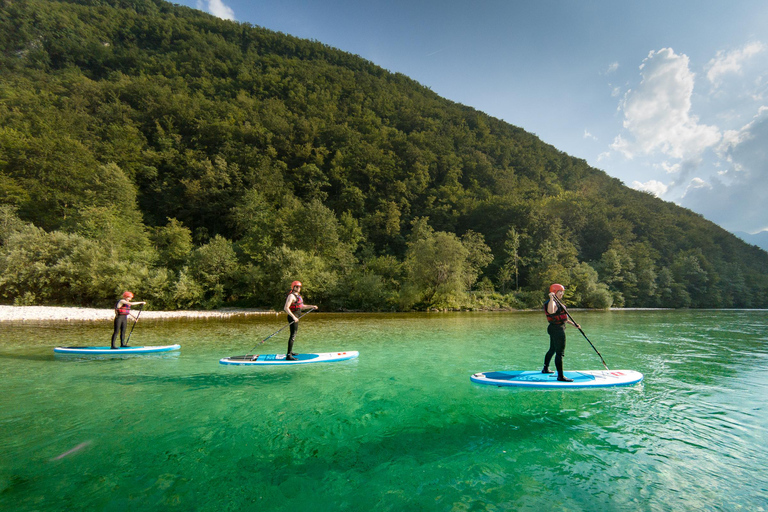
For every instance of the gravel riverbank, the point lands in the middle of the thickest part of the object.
(70, 314)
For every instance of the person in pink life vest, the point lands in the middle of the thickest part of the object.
(122, 312)
(557, 316)
(294, 305)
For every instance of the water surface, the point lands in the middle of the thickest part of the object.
(400, 428)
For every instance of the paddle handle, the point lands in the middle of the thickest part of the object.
(582, 332)
(141, 308)
(280, 329)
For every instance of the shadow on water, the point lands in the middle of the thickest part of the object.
(85, 358)
(224, 378)
(27, 357)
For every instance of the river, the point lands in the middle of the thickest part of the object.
(400, 428)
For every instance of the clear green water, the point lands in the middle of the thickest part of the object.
(401, 428)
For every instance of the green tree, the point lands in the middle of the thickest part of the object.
(478, 256)
(214, 267)
(437, 269)
(509, 271)
(173, 243)
(586, 290)
(255, 222)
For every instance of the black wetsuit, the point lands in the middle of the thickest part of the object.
(121, 324)
(556, 331)
(294, 329)
(296, 310)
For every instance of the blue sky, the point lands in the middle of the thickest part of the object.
(669, 96)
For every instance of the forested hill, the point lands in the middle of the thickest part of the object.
(205, 163)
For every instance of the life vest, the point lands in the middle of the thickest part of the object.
(297, 304)
(125, 309)
(559, 317)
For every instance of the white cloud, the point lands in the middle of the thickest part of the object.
(733, 138)
(588, 135)
(656, 188)
(217, 8)
(612, 68)
(622, 146)
(658, 112)
(671, 168)
(731, 62)
(697, 183)
(739, 203)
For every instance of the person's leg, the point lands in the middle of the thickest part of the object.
(560, 353)
(552, 331)
(116, 330)
(291, 339)
(123, 327)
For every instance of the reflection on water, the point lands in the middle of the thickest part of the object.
(400, 428)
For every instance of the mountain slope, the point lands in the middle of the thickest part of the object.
(204, 162)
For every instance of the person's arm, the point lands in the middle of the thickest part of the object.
(552, 304)
(287, 308)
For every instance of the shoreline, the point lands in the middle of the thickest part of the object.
(76, 314)
(81, 314)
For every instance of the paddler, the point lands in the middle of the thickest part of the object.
(294, 305)
(122, 312)
(557, 316)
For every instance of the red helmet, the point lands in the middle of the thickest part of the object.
(556, 288)
(127, 295)
(295, 283)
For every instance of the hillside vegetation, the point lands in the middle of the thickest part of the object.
(204, 163)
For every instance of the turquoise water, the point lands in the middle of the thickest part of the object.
(400, 428)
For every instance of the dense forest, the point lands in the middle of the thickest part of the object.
(204, 163)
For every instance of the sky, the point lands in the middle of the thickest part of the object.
(669, 96)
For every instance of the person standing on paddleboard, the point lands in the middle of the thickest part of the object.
(557, 317)
(294, 305)
(122, 312)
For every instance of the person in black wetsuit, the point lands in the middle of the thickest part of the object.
(294, 305)
(122, 312)
(557, 317)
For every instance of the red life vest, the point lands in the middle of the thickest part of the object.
(125, 309)
(297, 304)
(559, 317)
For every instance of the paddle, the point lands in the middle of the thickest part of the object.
(280, 329)
(582, 332)
(141, 306)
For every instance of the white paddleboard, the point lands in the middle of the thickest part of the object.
(116, 351)
(274, 359)
(581, 379)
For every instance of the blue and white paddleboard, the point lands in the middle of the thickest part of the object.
(581, 379)
(116, 351)
(273, 359)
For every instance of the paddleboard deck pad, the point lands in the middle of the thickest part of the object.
(581, 379)
(276, 359)
(116, 351)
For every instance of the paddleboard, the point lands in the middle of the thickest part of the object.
(273, 359)
(581, 379)
(116, 351)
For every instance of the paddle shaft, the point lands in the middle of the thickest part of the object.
(280, 329)
(582, 332)
(141, 307)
